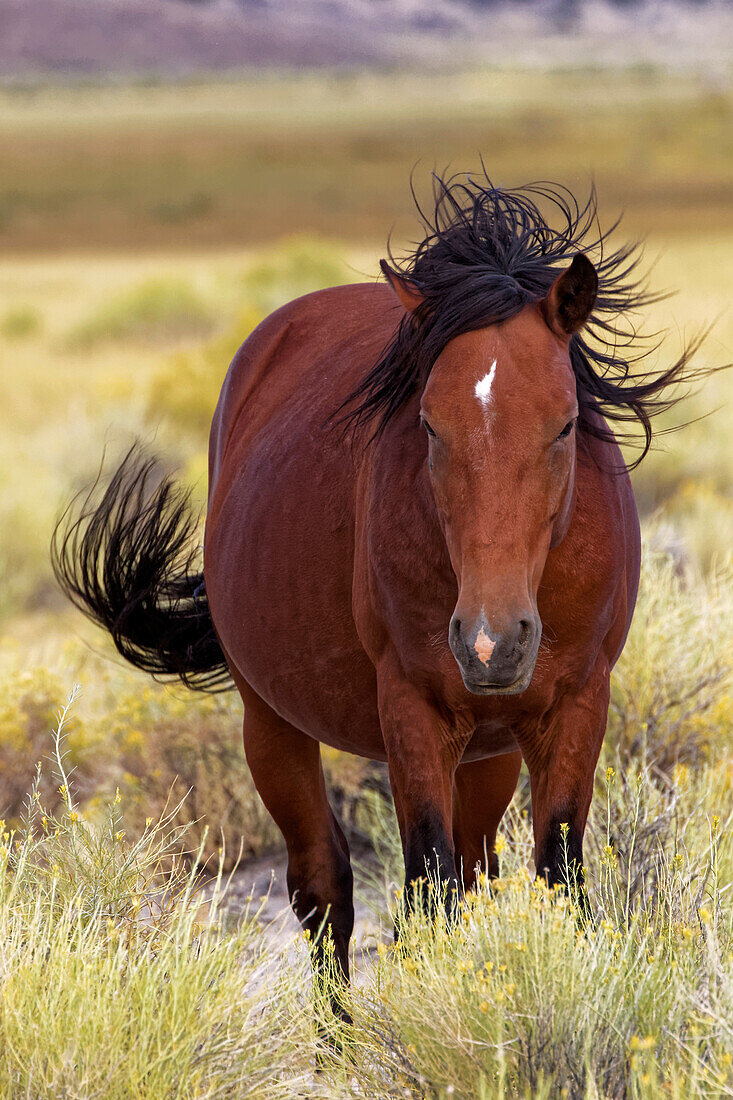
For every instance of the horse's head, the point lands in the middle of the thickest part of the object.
(500, 408)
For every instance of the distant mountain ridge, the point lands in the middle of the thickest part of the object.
(75, 39)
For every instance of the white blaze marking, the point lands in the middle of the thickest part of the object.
(483, 386)
(484, 646)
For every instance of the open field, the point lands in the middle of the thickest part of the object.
(231, 164)
(121, 302)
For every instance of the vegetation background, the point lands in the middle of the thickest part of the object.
(150, 216)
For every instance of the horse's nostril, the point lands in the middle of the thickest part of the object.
(455, 641)
(525, 630)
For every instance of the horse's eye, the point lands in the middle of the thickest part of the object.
(567, 429)
(427, 427)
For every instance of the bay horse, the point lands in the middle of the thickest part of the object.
(421, 540)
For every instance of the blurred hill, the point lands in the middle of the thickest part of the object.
(73, 39)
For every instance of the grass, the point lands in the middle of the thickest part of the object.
(102, 923)
(116, 983)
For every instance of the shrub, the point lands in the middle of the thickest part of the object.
(27, 512)
(695, 527)
(115, 983)
(154, 745)
(158, 310)
(20, 322)
(28, 703)
(294, 267)
(521, 997)
(671, 698)
(184, 390)
(173, 747)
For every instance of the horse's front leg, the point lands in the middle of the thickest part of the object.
(562, 756)
(423, 753)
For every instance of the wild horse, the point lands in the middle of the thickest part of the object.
(421, 540)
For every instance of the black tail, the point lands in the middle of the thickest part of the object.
(129, 563)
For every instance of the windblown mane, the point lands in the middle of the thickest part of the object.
(487, 253)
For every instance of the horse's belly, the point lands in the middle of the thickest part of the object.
(278, 567)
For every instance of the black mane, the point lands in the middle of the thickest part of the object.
(487, 253)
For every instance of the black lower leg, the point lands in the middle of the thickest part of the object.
(560, 860)
(322, 900)
(326, 918)
(429, 865)
(560, 857)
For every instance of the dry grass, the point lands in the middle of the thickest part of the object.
(116, 984)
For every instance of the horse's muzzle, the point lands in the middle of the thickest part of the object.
(496, 663)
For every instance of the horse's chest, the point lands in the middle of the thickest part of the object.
(491, 738)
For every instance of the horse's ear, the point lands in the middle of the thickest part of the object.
(571, 298)
(406, 291)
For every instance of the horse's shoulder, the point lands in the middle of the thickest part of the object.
(605, 498)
